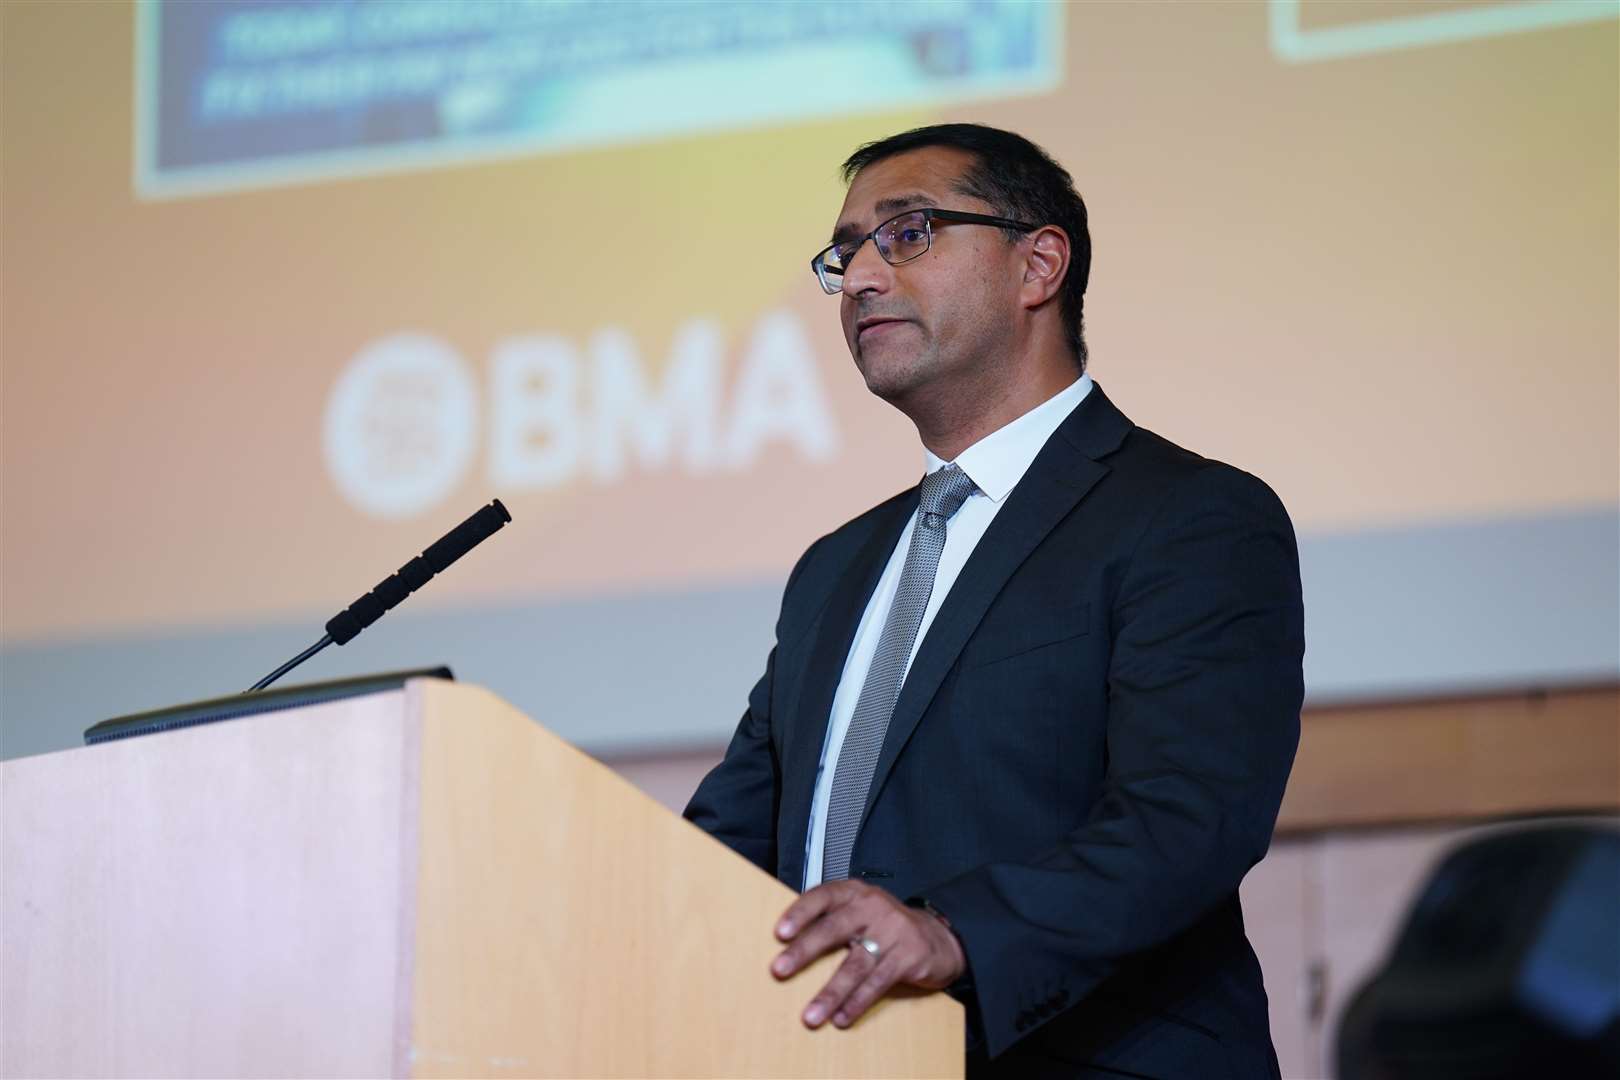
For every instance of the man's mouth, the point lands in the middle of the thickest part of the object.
(875, 324)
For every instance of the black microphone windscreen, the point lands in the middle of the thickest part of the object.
(393, 589)
(466, 536)
(342, 627)
(415, 573)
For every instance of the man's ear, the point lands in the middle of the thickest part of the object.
(1045, 266)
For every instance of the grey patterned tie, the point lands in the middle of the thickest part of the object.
(943, 492)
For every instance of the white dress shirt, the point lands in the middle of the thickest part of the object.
(995, 464)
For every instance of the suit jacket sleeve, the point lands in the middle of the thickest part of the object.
(1204, 693)
(737, 801)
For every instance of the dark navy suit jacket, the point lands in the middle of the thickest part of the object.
(1087, 755)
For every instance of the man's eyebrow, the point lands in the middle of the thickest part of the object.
(885, 208)
(896, 203)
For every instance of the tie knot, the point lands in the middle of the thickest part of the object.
(943, 493)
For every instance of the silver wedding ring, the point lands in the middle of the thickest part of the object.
(861, 941)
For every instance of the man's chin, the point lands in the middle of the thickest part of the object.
(888, 377)
(891, 386)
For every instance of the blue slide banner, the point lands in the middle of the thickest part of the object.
(258, 92)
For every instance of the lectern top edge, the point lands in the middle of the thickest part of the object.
(236, 706)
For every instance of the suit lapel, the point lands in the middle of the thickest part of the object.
(834, 633)
(1060, 476)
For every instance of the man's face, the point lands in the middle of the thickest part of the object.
(942, 321)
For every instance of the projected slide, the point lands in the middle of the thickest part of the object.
(250, 93)
(1331, 31)
(290, 287)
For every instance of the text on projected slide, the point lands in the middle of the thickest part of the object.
(237, 95)
(402, 424)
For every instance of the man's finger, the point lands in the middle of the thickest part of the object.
(884, 974)
(809, 907)
(850, 974)
(831, 931)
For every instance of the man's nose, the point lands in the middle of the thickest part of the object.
(867, 272)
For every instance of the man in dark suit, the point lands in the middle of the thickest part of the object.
(1026, 726)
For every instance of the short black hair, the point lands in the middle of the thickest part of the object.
(1021, 181)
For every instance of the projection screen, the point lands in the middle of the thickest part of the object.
(292, 287)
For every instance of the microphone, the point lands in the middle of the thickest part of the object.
(346, 624)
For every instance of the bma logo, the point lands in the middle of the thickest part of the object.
(402, 424)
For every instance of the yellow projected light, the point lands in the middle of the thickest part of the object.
(247, 356)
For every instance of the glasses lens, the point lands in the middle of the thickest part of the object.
(897, 240)
(829, 271)
(903, 238)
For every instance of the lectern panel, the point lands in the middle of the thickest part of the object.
(216, 901)
(568, 925)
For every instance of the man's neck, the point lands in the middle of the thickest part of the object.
(955, 420)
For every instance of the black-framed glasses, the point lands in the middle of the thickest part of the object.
(899, 240)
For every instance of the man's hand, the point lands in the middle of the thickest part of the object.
(914, 948)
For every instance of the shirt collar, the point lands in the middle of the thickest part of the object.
(999, 460)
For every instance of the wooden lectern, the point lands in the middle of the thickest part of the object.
(420, 882)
